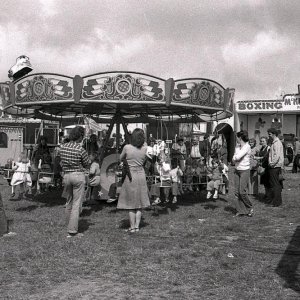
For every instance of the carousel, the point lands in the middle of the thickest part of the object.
(116, 98)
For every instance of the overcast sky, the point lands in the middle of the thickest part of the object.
(251, 45)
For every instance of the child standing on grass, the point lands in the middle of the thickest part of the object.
(164, 169)
(214, 175)
(21, 175)
(224, 170)
(94, 174)
(175, 175)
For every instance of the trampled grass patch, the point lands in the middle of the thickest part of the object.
(195, 249)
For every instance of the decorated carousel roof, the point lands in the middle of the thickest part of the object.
(137, 97)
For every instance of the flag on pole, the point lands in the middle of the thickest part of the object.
(92, 125)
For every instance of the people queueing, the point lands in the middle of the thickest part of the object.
(241, 159)
(134, 193)
(276, 164)
(21, 176)
(74, 161)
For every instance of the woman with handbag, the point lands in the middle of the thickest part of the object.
(262, 170)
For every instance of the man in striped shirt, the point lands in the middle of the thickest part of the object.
(74, 160)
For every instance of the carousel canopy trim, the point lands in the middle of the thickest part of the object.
(127, 93)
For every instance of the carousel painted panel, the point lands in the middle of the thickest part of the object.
(202, 93)
(123, 87)
(44, 88)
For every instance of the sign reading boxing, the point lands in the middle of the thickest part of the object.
(289, 103)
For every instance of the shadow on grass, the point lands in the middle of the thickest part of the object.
(50, 198)
(230, 209)
(28, 208)
(261, 198)
(83, 225)
(288, 266)
(210, 206)
(124, 224)
(158, 210)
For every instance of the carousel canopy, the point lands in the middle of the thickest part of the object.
(136, 97)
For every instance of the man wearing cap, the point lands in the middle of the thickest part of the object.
(276, 162)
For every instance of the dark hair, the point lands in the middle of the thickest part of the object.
(47, 159)
(243, 135)
(42, 138)
(93, 136)
(206, 136)
(180, 139)
(76, 133)
(174, 163)
(252, 140)
(138, 138)
(273, 131)
(152, 140)
(94, 157)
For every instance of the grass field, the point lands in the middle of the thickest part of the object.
(193, 250)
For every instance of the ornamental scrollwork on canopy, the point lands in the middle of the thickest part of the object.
(42, 88)
(198, 92)
(123, 87)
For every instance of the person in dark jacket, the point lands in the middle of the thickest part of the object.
(204, 147)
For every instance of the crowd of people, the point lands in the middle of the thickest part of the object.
(155, 172)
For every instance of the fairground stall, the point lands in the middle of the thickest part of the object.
(117, 98)
(257, 116)
(18, 134)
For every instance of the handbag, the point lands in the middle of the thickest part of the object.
(261, 170)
